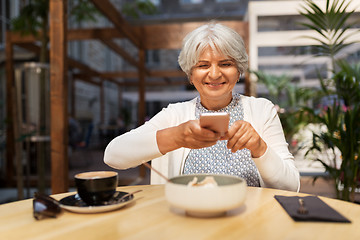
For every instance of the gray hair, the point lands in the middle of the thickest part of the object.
(220, 38)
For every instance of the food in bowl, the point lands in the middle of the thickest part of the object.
(230, 193)
(209, 181)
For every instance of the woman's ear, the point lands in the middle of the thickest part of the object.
(190, 79)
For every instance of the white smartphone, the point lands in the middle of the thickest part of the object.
(217, 122)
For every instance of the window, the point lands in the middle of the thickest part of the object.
(280, 23)
(191, 1)
(287, 51)
(152, 57)
(222, 1)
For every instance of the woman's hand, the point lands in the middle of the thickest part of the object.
(242, 135)
(188, 135)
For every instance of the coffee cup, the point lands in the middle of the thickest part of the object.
(96, 187)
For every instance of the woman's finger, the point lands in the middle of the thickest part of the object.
(242, 135)
(193, 136)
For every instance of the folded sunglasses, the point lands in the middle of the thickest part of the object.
(45, 206)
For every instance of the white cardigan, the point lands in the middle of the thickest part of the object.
(276, 167)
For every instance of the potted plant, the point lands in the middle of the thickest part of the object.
(341, 132)
(338, 116)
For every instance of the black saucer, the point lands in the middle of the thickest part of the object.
(74, 203)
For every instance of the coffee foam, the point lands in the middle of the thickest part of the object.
(95, 174)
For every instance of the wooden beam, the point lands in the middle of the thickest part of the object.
(141, 91)
(170, 35)
(120, 98)
(154, 73)
(164, 83)
(93, 33)
(167, 73)
(158, 36)
(119, 50)
(72, 35)
(102, 104)
(58, 97)
(128, 84)
(134, 75)
(83, 67)
(106, 37)
(86, 70)
(10, 139)
(153, 83)
(72, 98)
(72, 63)
(88, 73)
(86, 78)
(30, 47)
(16, 37)
(111, 12)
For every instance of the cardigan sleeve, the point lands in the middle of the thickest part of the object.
(276, 166)
(131, 149)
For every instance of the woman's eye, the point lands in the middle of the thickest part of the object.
(226, 64)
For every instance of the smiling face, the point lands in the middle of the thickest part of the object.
(214, 77)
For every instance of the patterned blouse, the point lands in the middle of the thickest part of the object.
(218, 159)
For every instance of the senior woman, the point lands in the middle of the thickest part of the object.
(213, 56)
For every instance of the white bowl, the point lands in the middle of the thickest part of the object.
(206, 201)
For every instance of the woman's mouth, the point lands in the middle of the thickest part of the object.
(215, 84)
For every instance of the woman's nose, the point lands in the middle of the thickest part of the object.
(215, 72)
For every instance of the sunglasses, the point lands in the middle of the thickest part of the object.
(45, 206)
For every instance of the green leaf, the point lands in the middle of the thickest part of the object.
(331, 24)
(136, 8)
(84, 10)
